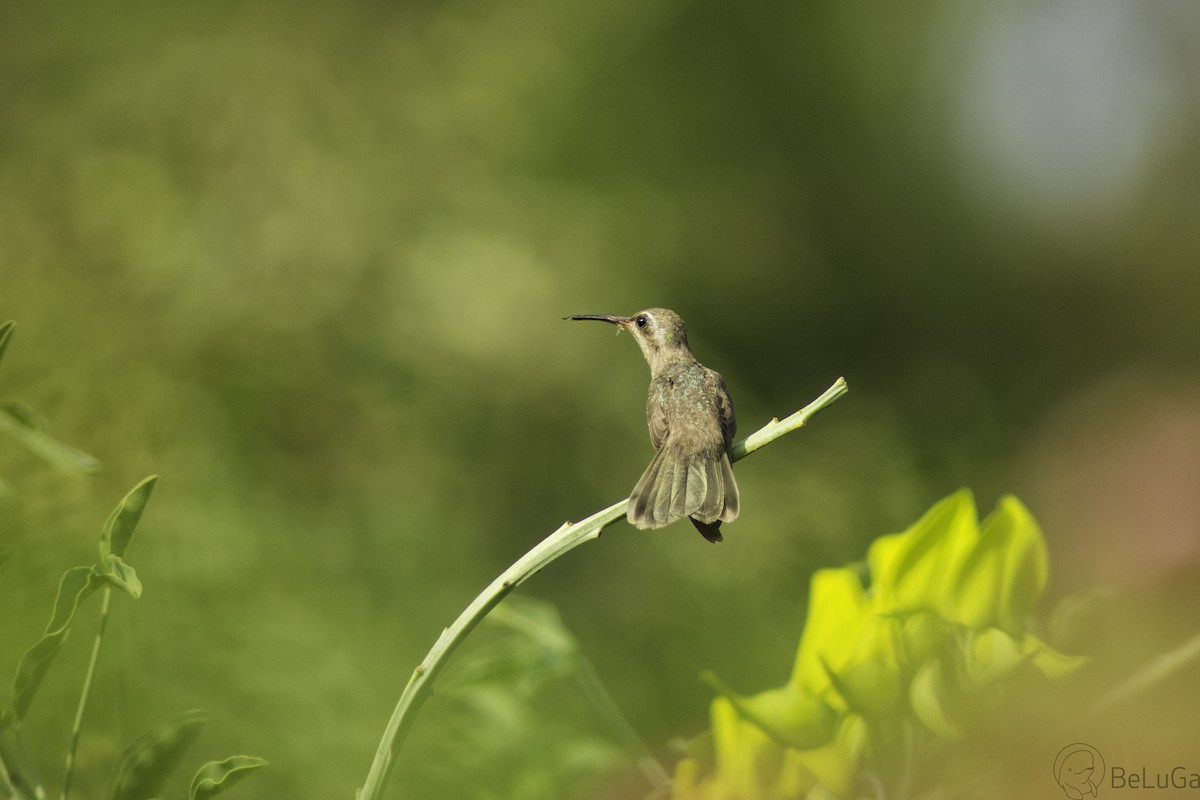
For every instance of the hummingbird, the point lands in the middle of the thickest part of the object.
(690, 417)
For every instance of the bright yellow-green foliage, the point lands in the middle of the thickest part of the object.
(939, 626)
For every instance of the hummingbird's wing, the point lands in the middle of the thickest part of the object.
(656, 419)
(725, 411)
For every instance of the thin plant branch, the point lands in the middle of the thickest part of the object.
(603, 702)
(557, 544)
(18, 779)
(1158, 670)
(88, 679)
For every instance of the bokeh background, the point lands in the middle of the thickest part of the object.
(308, 263)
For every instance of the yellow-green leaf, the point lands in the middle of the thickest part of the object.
(792, 718)
(146, 764)
(122, 522)
(121, 575)
(869, 687)
(76, 584)
(5, 334)
(929, 694)
(916, 569)
(837, 610)
(27, 428)
(836, 765)
(1004, 574)
(991, 655)
(217, 776)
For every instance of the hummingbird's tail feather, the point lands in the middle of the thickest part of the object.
(698, 488)
(706, 497)
(675, 485)
(732, 497)
(660, 495)
(672, 486)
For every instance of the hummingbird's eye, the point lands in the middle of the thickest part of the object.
(641, 321)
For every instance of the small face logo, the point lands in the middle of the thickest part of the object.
(1078, 770)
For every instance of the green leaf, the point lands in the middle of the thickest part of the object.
(17, 779)
(76, 584)
(792, 718)
(837, 611)
(146, 764)
(538, 620)
(121, 575)
(836, 765)
(1049, 661)
(915, 569)
(869, 687)
(511, 661)
(925, 636)
(537, 650)
(5, 334)
(1005, 573)
(929, 694)
(992, 655)
(122, 522)
(217, 776)
(22, 424)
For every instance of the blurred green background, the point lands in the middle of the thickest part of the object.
(308, 262)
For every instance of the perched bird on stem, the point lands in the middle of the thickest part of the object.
(690, 417)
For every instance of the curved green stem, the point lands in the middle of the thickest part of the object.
(566, 538)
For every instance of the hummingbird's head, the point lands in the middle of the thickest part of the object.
(659, 332)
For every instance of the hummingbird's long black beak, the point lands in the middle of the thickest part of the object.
(622, 322)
